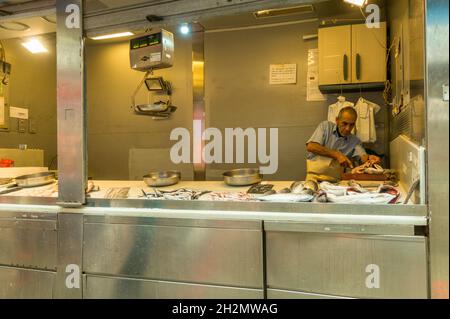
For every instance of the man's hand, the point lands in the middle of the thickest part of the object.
(343, 160)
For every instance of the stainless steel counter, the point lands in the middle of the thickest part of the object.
(140, 248)
(212, 250)
(296, 212)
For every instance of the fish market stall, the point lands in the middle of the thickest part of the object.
(129, 242)
(156, 196)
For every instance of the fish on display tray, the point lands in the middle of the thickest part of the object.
(356, 194)
(226, 196)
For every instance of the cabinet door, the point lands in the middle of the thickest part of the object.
(368, 54)
(335, 55)
(344, 264)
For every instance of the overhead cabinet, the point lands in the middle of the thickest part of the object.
(352, 55)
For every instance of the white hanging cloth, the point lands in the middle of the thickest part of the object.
(334, 109)
(365, 125)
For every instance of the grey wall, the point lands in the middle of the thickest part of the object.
(33, 86)
(113, 128)
(238, 93)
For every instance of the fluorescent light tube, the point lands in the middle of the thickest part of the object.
(113, 36)
(358, 3)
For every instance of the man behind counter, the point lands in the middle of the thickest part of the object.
(332, 147)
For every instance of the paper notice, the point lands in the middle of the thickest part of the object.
(283, 74)
(312, 92)
(18, 112)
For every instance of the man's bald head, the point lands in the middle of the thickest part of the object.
(346, 120)
(348, 111)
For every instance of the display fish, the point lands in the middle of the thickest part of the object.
(308, 187)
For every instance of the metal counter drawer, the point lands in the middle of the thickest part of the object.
(28, 243)
(347, 265)
(206, 255)
(96, 287)
(19, 283)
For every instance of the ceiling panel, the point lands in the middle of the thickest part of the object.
(99, 5)
(322, 10)
(37, 25)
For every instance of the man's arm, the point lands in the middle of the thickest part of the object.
(318, 149)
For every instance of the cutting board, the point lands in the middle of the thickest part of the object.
(363, 177)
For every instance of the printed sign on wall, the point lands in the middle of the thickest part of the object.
(283, 74)
(18, 112)
(312, 92)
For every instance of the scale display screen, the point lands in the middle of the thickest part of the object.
(148, 40)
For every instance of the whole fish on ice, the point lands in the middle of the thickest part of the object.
(308, 187)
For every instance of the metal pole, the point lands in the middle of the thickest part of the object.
(198, 85)
(72, 155)
(437, 142)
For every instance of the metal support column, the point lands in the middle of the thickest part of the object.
(71, 103)
(437, 144)
(198, 85)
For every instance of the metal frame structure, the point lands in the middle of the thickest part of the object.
(71, 103)
(437, 66)
(134, 17)
(308, 222)
(198, 84)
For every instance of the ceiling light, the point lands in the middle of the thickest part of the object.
(34, 46)
(284, 11)
(113, 36)
(184, 29)
(359, 3)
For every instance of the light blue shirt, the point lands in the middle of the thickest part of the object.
(327, 135)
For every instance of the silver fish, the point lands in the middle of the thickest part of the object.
(357, 187)
(287, 198)
(321, 197)
(297, 187)
(312, 185)
(307, 191)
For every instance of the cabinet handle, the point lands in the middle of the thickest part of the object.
(345, 67)
(358, 66)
